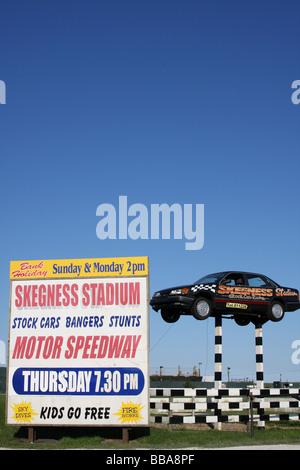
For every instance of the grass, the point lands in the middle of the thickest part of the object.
(156, 438)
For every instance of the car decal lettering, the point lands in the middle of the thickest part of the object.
(250, 292)
(281, 292)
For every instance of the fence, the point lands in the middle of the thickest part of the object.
(223, 405)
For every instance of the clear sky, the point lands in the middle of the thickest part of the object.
(165, 101)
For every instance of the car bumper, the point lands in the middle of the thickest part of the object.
(178, 302)
(292, 306)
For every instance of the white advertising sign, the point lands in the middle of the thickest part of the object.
(78, 343)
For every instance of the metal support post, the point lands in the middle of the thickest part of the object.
(218, 352)
(259, 363)
(251, 415)
(259, 356)
(218, 364)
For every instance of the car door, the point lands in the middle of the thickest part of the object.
(232, 293)
(261, 292)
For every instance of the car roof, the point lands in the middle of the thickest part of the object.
(241, 272)
(223, 273)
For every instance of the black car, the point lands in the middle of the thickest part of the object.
(244, 296)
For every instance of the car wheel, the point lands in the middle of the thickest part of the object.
(275, 311)
(169, 316)
(201, 308)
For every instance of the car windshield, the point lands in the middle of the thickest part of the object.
(210, 278)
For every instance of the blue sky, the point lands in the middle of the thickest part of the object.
(162, 101)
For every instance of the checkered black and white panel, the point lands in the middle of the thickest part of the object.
(205, 287)
(190, 410)
(225, 392)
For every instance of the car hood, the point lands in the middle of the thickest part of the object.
(169, 289)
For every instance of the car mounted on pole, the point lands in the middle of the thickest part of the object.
(246, 297)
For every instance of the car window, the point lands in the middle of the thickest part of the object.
(257, 281)
(233, 279)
